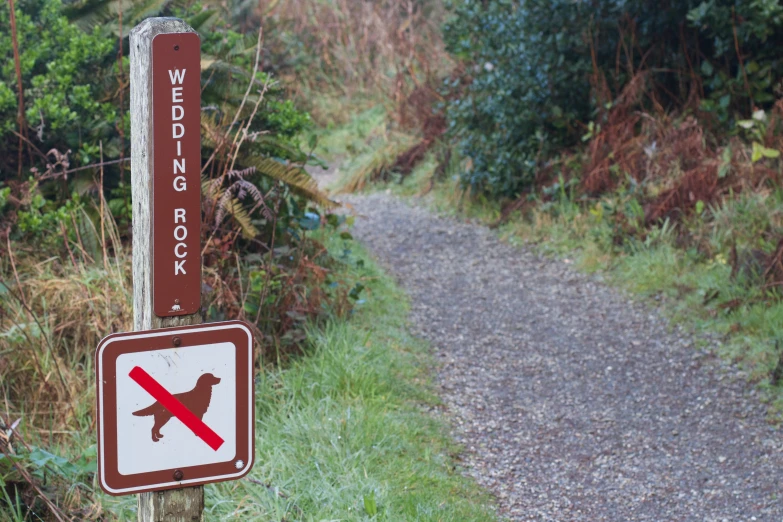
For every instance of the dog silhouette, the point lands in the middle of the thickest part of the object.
(196, 400)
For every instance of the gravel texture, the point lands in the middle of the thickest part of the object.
(572, 401)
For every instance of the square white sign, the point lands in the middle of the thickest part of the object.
(177, 370)
(175, 407)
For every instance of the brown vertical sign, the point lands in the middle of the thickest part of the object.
(176, 189)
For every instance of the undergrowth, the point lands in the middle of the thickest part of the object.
(341, 432)
(54, 311)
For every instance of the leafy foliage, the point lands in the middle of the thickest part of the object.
(539, 71)
(75, 89)
(65, 107)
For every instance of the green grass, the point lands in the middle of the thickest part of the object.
(358, 136)
(342, 433)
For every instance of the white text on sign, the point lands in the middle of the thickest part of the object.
(180, 182)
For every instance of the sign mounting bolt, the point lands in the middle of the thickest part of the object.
(176, 341)
(178, 475)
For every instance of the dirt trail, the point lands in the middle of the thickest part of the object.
(572, 401)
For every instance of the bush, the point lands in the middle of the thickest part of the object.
(539, 71)
(68, 86)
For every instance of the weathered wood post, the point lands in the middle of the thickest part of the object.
(151, 186)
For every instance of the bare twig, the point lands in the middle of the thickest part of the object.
(30, 144)
(252, 77)
(67, 246)
(96, 165)
(20, 88)
(13, 267)
(243, 132)
(103, 211)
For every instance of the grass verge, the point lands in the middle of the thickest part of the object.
(342, 433)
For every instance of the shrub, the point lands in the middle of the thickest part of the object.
(540, 70)
(68, 105)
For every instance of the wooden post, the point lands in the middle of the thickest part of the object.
(177, 505)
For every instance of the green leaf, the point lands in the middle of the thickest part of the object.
(756, 154)
(310, 221)
(370, 506)
(335, 220)
(356, 291)
(760, 151)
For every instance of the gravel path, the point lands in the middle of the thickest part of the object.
(572, 401)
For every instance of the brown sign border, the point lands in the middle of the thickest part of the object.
(112, 346)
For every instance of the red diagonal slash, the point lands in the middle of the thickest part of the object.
(168, 401)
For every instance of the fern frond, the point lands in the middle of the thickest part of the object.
(266, 143)
(204, 20)
(297, 179)
(229, 204)
(88, 14)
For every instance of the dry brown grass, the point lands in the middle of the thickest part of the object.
(377, 166)
(354, 45)
(671, 155)
(53, 312)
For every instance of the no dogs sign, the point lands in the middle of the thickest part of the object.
(175, 407)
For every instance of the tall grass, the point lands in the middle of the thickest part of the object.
(53, 312)
(348, 47)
